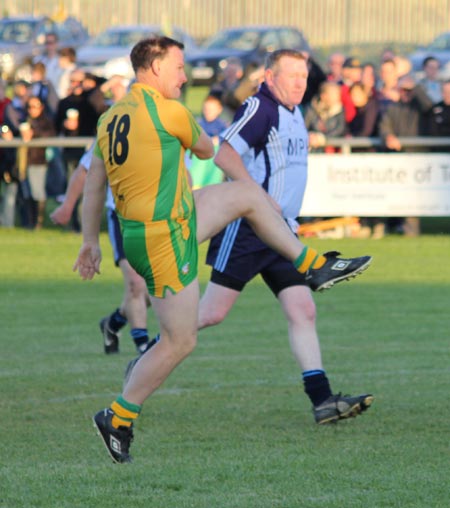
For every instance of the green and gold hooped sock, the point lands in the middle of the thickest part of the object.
(309, 258)
(124, 412)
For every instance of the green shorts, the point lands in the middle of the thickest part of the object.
(164, 253)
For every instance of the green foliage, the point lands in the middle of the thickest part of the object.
(231, 427)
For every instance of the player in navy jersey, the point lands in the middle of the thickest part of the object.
(268, 142)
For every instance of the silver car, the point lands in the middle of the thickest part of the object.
(22, 38)
(108, 54)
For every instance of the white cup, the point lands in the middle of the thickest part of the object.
(72, 114)
(24, 127)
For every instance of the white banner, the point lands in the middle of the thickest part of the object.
(377, 185)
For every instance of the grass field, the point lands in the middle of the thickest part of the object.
(231, 428)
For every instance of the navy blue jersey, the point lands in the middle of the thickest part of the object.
(273, 144)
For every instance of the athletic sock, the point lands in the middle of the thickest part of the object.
(140, 338)
(116, 321)
(124, 412)
(309, 258)
(316, 386)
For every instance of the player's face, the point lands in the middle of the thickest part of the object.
(172, 73)
(287, 81)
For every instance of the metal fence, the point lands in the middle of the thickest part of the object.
(325, 22)
(346, 144)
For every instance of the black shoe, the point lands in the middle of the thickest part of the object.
(338, 407)
(110, 338)
(117, 441)
(335, 270)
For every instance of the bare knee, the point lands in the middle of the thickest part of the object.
(299, 307)
(308, 311)
(211, 316)
(179, 345)
(251, 193)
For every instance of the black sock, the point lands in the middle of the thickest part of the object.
(140, 338)
(116, 321)
(316, 386)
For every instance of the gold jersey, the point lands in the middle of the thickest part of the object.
(142, 140)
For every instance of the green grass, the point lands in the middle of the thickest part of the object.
(231, 427)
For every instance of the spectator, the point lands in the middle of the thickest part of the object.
(430, 81)
(388, 92)
(407, 117)
(77, 115)
(15, 114)
(325, 117)
(8, 187)
(205, 172)
(369, 79)
(440, 115)
(365, 121)
(335, 63)
(50, 58)
(88, 100)
(67, 64)
(351, 73)
(43, 88)
(39, 125)
(210, 121)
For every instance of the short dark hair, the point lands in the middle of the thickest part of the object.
(429, 59)
(273, 58)
(146, 51)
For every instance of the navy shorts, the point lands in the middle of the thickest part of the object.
(115, 236)
(237, 255)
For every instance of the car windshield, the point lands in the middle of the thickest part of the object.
(19, 32)
(234, 39)
(120, 38)
(441, 42)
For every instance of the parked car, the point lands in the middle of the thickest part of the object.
(439, 48)
(108, 53)
(248, 43)
(22, 38)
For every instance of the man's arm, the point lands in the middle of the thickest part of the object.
(230, 162)
(74, 190)
(89, 257)
(204, 148)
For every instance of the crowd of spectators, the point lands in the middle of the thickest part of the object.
(348, 98)
(59, 99)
